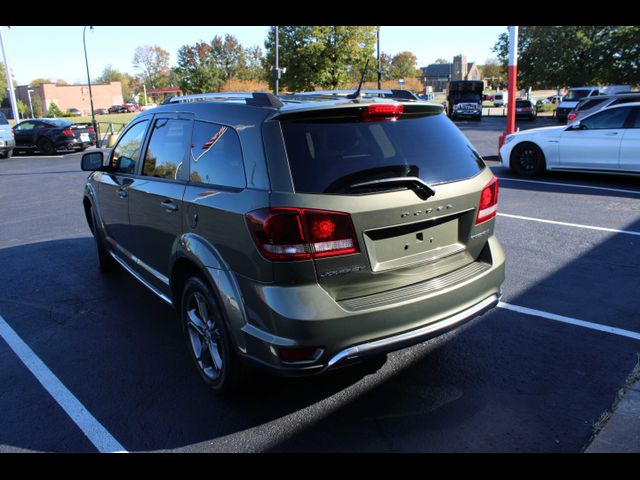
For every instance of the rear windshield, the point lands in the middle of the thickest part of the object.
(590, 103)
(523, 104)
(330, 157)
(3, 119)
(574, 95)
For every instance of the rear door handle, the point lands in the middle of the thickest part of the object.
(611, 134)
(121, 192)
(169, 206)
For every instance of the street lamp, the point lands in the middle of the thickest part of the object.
(93, 115)
(29, 92)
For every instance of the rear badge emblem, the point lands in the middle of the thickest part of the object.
(426, 211)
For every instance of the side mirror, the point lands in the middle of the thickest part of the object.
(576, 126)
(92, 161)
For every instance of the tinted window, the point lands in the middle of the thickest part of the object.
(523, 104)
(167, 148)
(626, 99)
(25, 126)
(608, 119)
(126, 152)
(3, 119)
(574, 95)
(329, 157)
(636, 123)
(590, 104)
(216, 157)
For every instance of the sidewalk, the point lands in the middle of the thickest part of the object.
(621, 434)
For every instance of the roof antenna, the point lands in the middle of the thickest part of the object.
(356, 94)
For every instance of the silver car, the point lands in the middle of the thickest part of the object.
(593, 104)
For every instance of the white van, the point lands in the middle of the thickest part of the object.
(500, 99)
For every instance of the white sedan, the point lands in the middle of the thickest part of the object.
(605, 141)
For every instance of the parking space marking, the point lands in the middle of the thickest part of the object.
(567, 224)
(572, 321)
(574, 185)
(94, 431)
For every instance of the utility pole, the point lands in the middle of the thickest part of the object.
(93, 115)
(276, 70)
(12, 94)
(29, 92)
(512, 71)
(379, 71)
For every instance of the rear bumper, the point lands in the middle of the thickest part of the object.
(348, 331)
(7, 144)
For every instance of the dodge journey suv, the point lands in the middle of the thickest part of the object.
(300, 233)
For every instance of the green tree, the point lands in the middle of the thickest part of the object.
(325, 56)
(22, 109)
(442, 61)
(39, 81)
(153, 65)
(196, 70)
(129, 84)
(227, 55)
(552, 56)
(404, 65)
(53, 111)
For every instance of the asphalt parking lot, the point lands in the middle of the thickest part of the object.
(97, 363)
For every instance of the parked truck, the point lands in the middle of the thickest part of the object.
(464, 98)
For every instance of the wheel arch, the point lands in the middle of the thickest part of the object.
(193, 255)
(523, 143)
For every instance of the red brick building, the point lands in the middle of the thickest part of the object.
(73, 96)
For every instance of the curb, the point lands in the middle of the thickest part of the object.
(621, 434)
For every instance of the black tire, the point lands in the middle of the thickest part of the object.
(106, 263)
(527, 159)
(208, 340)
(46, 146)
(6, 153)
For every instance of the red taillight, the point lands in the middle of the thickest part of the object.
(488, 205)
(67, 132)
(91, 130)
(284, 234)
(382, 111)
(571, 116)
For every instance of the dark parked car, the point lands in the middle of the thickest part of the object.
(48, 135)
(299, 233)
(101, 111)
(118, 109)
(74, 111)
(7, 141)
(526, 109)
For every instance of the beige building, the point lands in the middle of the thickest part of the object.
(438, 75)
(73, 96)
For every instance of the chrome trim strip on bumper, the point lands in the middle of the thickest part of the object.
(411, 338)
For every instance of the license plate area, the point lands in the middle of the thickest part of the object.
(84, 137)
(422, 242)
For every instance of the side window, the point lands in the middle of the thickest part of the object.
(127, 151)
(216, 156)
(25, 127)
(636, 123)
(167, 148)
(608, 119)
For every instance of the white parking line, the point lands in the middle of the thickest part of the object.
(574, 185)
(95, 432)
(566, 224)
(572, 321)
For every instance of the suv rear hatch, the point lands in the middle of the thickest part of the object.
(409, 183)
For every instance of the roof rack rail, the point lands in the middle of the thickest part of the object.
(393, 94)
(258, 99)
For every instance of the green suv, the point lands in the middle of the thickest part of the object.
(300, 233)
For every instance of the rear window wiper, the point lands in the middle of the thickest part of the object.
(420, 188)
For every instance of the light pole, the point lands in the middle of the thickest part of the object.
(29, 92)
(93, 115)
(379, 69)
(12, 95)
